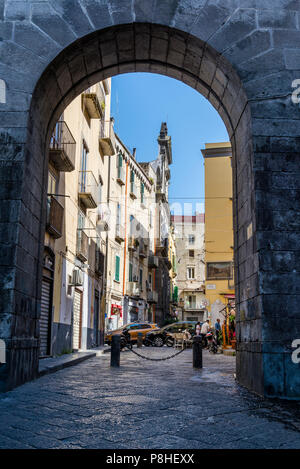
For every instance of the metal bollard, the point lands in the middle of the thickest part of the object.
(139, 340)
(115, 351)
(197, 351)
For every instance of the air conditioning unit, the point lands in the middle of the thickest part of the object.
(77, 278)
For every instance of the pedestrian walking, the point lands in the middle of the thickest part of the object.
(218, 331)
(198, 328)
(204, 330)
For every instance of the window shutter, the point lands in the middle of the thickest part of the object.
(117, 274)
(119, 160)
(142, 192)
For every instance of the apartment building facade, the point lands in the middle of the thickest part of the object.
(159, 173)
(219, 282)
(75, 238)
(189, 241)
(130, 239)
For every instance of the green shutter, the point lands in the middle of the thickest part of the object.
(117, 272)
(142, 192)
(130, 271)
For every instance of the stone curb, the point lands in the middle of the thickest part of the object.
(64, 362)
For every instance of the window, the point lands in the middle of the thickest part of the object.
(81, 220)
(83, 166)
(218, 270)
(191, 239)
(117, 269)
(100, 186)
(191, 253)
(118, 214)
(52, 183)
(191, 273)
(142, 192)
(141, 279)
(119, 164)
(130, 275)
(192, 301)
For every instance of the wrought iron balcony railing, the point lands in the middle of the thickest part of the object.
(55, 215)
(120, 232)
(93, 102)
(99, 262)
(88, 189)
(107, 140)
(152, 297)
(62, 149)
(82, 245)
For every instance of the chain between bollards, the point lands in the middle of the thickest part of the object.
(116, 349)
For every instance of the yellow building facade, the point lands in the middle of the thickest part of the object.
(219, 281)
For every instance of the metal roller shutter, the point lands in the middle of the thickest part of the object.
(76, 320)
(45, 318)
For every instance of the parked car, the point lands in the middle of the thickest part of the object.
(157, 337)
(133, 328)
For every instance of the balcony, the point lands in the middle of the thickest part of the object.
(120, 233)
(132, 243)
(107, 140)
(133, 190)
(88, 189)
(152, 297)
(106, 86)
(62, 149)
(194, 306)
(82, 245)
(133, 289)
(121, 176)
(55, 215)
(162, 248)
(142, 248)
(101, 224)
(99, 262)
(93, 102)
(160, 194)
(153, 262)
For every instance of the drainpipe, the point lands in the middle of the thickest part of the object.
(105, 274)
(125, 228)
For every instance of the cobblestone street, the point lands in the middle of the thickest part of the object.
(145, 404)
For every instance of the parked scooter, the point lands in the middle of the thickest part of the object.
(159, 340)
(212, 345)
(125, 340)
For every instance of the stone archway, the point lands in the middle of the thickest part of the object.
(227, 54)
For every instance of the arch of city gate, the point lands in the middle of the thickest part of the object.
(242, 55)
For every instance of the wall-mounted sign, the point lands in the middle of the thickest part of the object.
(211, 286)
(116, 309)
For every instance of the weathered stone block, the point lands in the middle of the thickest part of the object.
(240, 24)
(143, 11)
(30, 36)
(17, 10)
(53, 25)
(98, 12)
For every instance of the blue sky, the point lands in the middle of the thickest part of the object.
(141, 101)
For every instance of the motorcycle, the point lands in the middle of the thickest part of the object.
(125, 340)
(158, 341)
(212, 345)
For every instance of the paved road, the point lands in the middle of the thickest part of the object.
(145, 404)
